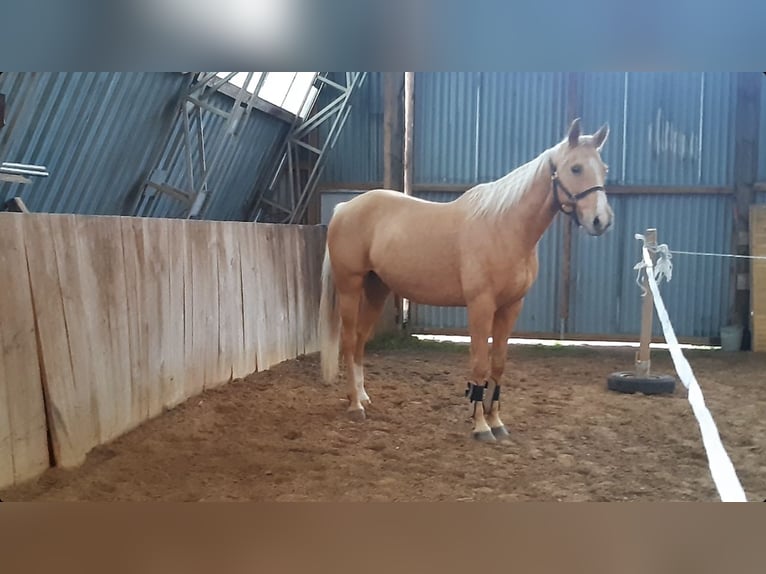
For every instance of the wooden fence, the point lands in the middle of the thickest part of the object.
(106, 321)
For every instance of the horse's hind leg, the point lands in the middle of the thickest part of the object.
(504, 320)
(371, 306)
(349, 296)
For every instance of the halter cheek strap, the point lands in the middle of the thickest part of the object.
(572, 198)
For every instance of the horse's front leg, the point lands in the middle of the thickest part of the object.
(480, 319)
(504, 320)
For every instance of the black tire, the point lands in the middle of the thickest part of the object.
(627, 382)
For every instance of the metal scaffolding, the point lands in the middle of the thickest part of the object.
(290, 206)
(286, 195)
(190, 141)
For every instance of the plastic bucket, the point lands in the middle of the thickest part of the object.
(731, 338)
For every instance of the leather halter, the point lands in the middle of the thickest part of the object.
(573, 199)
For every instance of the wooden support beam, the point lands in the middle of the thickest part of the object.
(391, 320)
(643, 357)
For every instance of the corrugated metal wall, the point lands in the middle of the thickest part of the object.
(472, 127)
(358, 153)
(520, 114)
(444, 141)
(603, 101)
(99, 133)
(666, 128)
(605, 297)
(669, 141)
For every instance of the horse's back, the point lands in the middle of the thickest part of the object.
(363, 214)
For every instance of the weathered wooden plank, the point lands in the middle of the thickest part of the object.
(271, 300)
(230, 284)
(155, 288)
(23, 441)
(205, 329)
(103, 296)
(64, 406)
(176, 336)
(83, 407)
(133, 248)
(251, 310)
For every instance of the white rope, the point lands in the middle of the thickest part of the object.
(704, 254)
(721, 467)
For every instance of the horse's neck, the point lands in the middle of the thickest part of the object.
(528, 220)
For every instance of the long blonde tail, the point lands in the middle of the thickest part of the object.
(329, 323)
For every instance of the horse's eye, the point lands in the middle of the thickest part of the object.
(577, 169)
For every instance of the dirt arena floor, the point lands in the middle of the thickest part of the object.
(281, 435)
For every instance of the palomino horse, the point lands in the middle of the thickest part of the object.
(478, 251)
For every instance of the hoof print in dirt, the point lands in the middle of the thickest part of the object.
(630, 383)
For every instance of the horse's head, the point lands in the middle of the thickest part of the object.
(578, 176)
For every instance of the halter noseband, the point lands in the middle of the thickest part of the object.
(573, 198)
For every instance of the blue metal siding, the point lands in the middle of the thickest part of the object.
(445, 138)
(663, 128)
(603, 101)
(605, 297)
(673, 128)
(96, 132)
(718, 117)
(521, 114)
(358, 153)
(477, 126)
(680, 128)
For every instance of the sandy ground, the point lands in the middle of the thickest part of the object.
(282, 435)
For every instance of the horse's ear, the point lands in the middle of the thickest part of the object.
(574, 133)
(600, 136)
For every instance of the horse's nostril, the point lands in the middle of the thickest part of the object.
(597, 222)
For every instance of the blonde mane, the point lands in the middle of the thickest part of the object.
(494, 198)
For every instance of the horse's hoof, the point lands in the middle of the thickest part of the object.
(484, 436)
(357, 415)
(501, 433)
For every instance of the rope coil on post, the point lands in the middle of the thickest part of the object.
(662, 268)
(721, 468)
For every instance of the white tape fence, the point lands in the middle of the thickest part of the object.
(721, 468)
